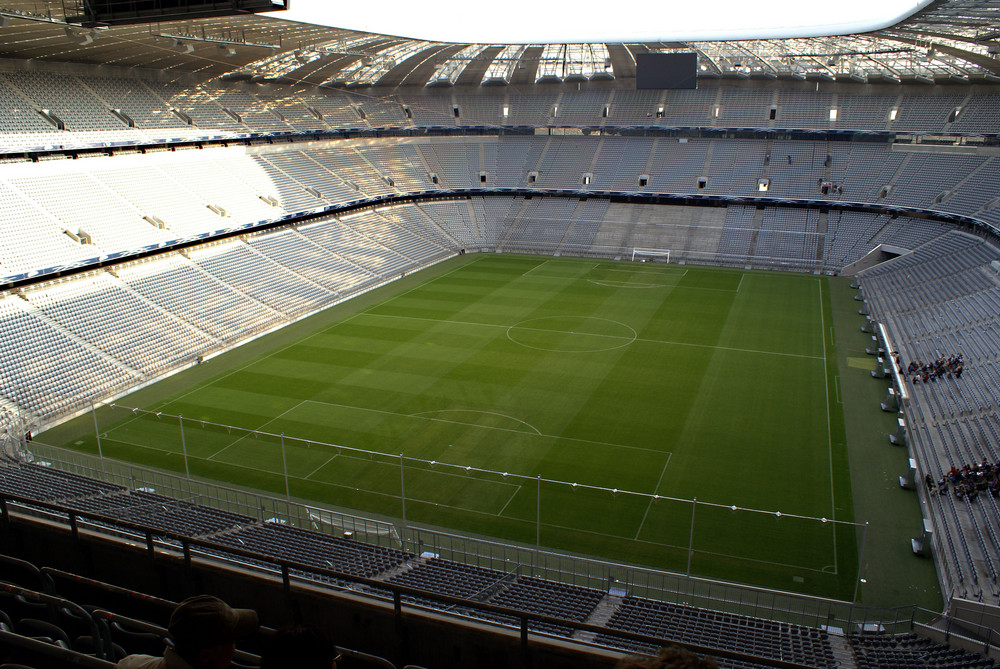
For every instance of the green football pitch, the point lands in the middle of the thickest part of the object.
(475, 400)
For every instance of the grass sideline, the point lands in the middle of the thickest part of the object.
(679, 381)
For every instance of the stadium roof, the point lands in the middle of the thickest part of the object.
(583, 21)
(948, 41)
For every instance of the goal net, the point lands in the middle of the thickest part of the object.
(642, 255)
(335, 523)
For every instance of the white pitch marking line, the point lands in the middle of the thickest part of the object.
(821, 570)
(541, 264)
(260, 427)
(829, 437)
(669, 271)
(509, 500)
(647, 341)
(486, 427)
(485, 513)
(491, 413)
(328, 461)
(649, 505)
(145, 446)
(621, 284)
(317, 333)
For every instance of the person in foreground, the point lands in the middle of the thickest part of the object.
(669, 657)
(204, 630)
(300, 647)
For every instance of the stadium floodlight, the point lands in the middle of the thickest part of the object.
(83, 38)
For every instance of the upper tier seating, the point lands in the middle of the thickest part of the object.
(161, 197)
(150, 111)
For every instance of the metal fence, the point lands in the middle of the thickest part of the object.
(607, 576)
(205, 493)
(705, 537)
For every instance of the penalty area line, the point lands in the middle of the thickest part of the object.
(509, 500)
(541, 264)
(257, 429)
(484, 427)
(649, 505)
(328, 461)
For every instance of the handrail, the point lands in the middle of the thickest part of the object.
(70, 657)
(52, 600)
(285, 567)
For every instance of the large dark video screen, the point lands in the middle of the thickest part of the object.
(666, 70)
(124, 12)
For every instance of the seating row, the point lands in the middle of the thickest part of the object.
(149, 200)
(936, 302)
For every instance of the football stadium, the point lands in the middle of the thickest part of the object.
(497, 348)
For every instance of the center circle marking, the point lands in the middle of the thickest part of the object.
(557, 334)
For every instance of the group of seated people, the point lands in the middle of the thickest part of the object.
(969, 481)
(932, 371)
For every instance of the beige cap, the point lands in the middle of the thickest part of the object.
(204, 621)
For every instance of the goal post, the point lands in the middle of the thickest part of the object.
(642, 255)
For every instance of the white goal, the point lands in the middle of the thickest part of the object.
(642, 255)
